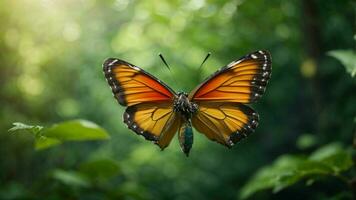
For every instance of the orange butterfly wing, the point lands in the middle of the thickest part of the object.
(225, 123)
(242, 81)
(156, 122)
(222, 116)
(132, 85)
(150, 101)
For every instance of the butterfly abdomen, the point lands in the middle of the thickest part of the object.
(185, 136)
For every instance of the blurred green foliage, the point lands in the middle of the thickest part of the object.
(347, 58)
(51, 57)
(74, 130)
(328, 161)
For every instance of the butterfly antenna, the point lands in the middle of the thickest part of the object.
(206, 58)
(166, 64)
(164, 61)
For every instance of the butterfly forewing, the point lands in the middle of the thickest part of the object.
(132, 85)
(242, 81)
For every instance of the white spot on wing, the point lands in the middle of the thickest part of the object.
(264, 66)
(136, 68)
(234, 63)
(253, 56)
(112, 62)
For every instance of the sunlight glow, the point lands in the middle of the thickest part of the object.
(308, 68)
(196, 4)
(30, 85)
(71, 31)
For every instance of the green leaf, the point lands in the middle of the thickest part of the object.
(18, 126)
(301, 170)
(327, 161)
(347, 58)
(333, 156)
(271, 176)
(76, 130)
(70, 178)
(46, 142)
(100, 169)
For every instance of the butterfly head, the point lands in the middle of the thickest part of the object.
(183, 106)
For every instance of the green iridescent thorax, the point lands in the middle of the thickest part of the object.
(186, 109)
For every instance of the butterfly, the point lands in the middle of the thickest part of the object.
(216, 108)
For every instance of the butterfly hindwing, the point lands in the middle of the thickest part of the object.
(226, 123)
(156, 122)
(132, 85)
(242, 81)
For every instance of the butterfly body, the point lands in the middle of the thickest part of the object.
(217, 107)
(186, 110)
(184, 106)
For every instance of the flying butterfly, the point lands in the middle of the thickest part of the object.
(216, 108)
